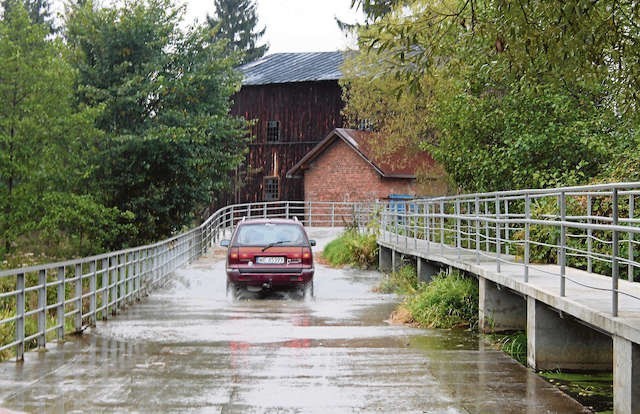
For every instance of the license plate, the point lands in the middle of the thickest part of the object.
(270, 260)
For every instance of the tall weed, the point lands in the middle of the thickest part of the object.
(404, 281)
(353, 248)
(449, 301)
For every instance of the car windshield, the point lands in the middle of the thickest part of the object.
(263, 234)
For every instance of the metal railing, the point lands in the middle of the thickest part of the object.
(52, 299)
(593, 228)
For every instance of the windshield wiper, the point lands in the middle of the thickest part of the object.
(275, 244)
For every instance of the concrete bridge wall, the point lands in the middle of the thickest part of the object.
(557, 336)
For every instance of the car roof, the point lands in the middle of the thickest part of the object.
(268, 220)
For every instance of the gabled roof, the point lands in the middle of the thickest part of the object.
(293, 67)
(399, 164)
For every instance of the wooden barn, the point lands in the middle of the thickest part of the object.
(294, 101)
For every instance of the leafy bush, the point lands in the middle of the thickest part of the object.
(353, 248)
(449, 301)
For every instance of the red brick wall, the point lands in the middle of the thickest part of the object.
(340, 174)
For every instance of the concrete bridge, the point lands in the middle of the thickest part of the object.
(548, 262)
(575, 318)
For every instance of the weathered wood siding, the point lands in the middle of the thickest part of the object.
(307, 112)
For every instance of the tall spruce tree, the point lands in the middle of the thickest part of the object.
(39, 11)
(236, 22)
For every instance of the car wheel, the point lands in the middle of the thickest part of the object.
(307, 292)
(231, 290)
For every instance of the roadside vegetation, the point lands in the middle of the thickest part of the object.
(450, 300)
(503, 96)
(353, 248)
(114, 122)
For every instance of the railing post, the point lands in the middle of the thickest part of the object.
(562, 257)
(427, 220)
(78, 298)
(286, 210)
(106, 263)
(42, 308)
(498, 247)
(122, 266)
(395, 224)
(131, 272)
(93, 298)
(614, 254)
(415, 215)
(458, 228)
(61, 299)
(477, 211)
(487, 241)
(113, 282)
(631, 238)
(405, 223)
(527, 235)
(333, 214)
(507, 248)
(589, 234)
(441, 227)
(20, 309)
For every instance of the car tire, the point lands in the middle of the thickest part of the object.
(307, 292)
(232, 290)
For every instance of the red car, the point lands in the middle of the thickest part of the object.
(269, 254)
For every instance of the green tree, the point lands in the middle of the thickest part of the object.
(375, 9)
(43, 135)
(236, 21)
(505, 95)
(39, 11)
(169, 139)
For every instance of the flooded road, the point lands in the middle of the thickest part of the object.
(189, 348)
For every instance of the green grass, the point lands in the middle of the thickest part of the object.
(354, 249)
(513, 344)
(594, 390)
(449, 301)
(403, 281)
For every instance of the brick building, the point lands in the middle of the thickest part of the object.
(345, 167)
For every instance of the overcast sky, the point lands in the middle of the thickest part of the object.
(294, 25)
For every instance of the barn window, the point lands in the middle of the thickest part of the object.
(273, 131)
(271, 189)
(365, 125)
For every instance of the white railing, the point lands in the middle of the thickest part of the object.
(52, 299)
(592, 228)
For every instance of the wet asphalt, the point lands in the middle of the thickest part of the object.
(188, 348)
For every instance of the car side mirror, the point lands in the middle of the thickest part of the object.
(225, 243)
(312, 242)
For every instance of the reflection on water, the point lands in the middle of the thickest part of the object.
(190, 348)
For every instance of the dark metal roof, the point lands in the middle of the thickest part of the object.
(293, 67)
